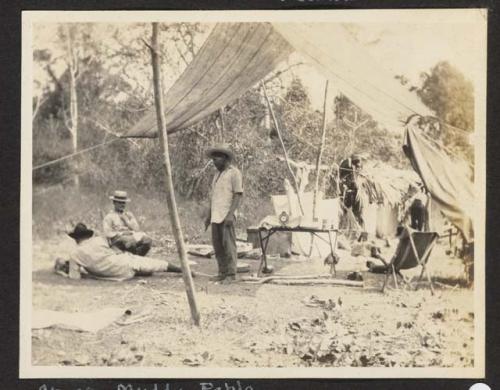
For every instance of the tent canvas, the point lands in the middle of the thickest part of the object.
(328, 209)
(236, 56)
(387, 220)
(370, 218)
(450, 189)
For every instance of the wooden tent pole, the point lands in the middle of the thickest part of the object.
(320, 154)
(295, 184)
(172, 207)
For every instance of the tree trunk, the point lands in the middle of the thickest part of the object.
(73, 98)
(171, 203)
(72, 123)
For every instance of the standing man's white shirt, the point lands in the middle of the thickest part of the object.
(224, 185)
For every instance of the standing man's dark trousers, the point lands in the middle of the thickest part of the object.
(224, 243)
(351, 201)
(417, 214)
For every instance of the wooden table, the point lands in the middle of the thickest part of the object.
(266, 233)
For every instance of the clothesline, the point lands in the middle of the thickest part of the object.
(48, 163)
(462, 131)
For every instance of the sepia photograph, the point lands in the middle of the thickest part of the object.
(253, 194)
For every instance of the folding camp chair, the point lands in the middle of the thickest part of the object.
(414, 249)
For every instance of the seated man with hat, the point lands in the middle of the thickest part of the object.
(94, 257)
(122, 229)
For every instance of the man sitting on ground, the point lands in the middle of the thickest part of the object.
(93, 256)
(122, 229)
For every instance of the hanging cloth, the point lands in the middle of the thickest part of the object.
(449, 186)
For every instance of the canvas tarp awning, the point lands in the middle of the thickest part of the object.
(236, 56)
(353, 71)
(447, 183)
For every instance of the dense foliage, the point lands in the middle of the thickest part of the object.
(445, 90)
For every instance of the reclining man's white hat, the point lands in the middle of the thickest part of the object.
(120, 196)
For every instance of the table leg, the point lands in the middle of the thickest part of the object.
(332, 251)
(264, 241)
(263, 255)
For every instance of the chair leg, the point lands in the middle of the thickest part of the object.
(395, 277)
(385, 280)
(429, 279)
(333, 271)
(403, 279)
(421, 274)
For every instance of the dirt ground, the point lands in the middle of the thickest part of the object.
(245, 325)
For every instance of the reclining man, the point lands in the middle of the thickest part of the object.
(97, 259)
(122, 229)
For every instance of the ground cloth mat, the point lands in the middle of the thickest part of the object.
(86, 321)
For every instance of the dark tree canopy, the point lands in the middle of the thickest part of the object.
(445, 90)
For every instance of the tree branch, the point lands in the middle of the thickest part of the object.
(56, 81)
(279, 73)
(180, 53)
(149, 46)
(38, 104)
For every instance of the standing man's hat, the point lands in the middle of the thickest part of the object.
(119, 196)
(81, 231)
(221, 148)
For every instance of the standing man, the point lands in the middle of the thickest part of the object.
(122, 230)
(349, 186)
(226, 193)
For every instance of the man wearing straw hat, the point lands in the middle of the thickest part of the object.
(226, 193)
(122, 229)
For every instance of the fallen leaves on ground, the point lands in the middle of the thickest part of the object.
(314, 301)
(198, 359)
(260, 326)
